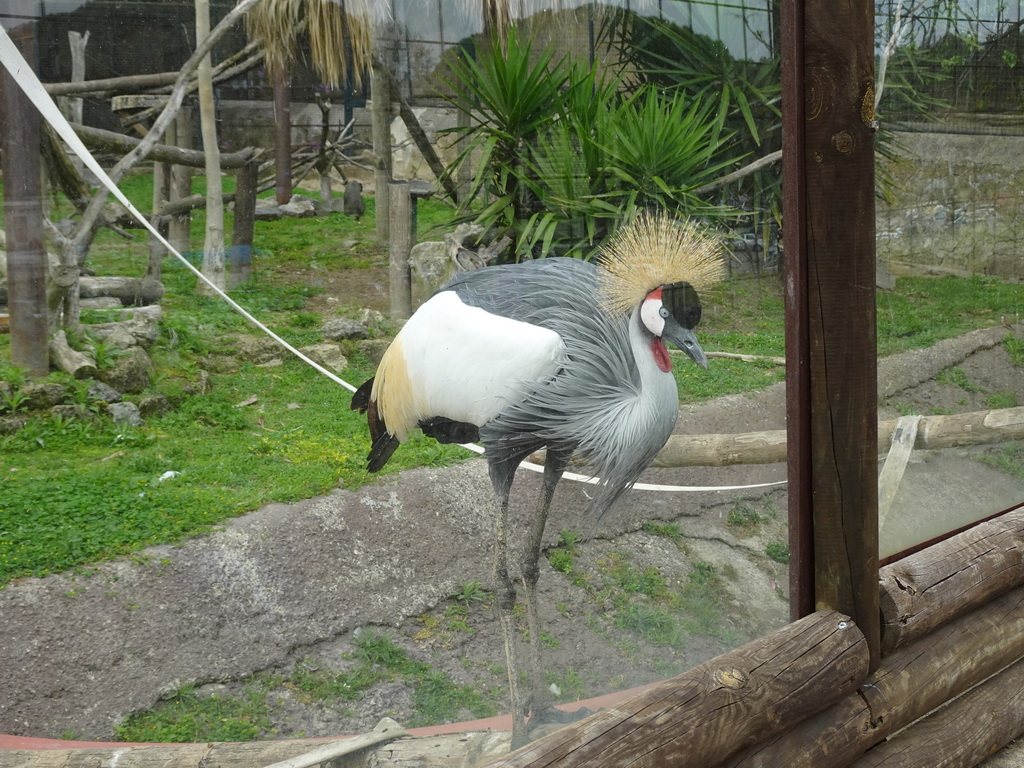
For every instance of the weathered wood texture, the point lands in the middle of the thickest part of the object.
(932, 587)
(828, 175)
(101, 139)
(911, 683)
(970, 729)
(903, 438)
(701, 717)
(769, 447)
(380, 115)
(71, 361)
(457, 750)
(23, 215)
(840, 307)
(386, 730)
(129, 290)
(401, 238)
(180, 135)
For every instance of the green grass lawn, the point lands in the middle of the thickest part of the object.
(75, 492)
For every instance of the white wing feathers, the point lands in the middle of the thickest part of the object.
(462, 363)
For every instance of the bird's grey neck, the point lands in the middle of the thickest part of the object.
(652, 379)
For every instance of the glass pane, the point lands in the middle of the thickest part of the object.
(949, 243)
(387, 604)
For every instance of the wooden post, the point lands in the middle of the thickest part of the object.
(400, 226)
(245, 218)
(181, 182)
(380, 96)
(283, 137)
(23, 213)
(830, 306)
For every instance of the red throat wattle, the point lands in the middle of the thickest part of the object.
(660, 353)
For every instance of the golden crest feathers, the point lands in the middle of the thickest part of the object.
(657, 249)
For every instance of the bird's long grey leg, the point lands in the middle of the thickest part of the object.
(501, 473)
(554, 465)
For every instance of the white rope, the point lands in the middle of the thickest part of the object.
(22, 73)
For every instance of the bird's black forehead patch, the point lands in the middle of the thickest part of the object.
(681, 300)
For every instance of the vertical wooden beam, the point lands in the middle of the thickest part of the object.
(246, 179)
(380, 97)
(283, 137)
(23, 213)
(401, 236)
(830, 300)
(181, 181)
(801, 521)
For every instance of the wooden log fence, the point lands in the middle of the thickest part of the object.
(949, 690)
(769, 447)
(701, 717)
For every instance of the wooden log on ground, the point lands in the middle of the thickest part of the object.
(386, 730)
(909, 684)
(456, 750)
(930, 588)
(769, 447)
(703, 716)
(128, 290)
(71, 361)
(970, 729)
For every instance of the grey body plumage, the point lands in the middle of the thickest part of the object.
(607, 402)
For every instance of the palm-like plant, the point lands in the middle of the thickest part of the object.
(510, 101)
(562, 155)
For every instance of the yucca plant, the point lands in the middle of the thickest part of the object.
(510, 99)
(563, 154)
(640, 151)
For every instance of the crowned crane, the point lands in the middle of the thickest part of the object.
(554, 353)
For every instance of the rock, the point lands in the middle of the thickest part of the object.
(115, 335)
(11, 424)
(103, 393)
(200, 386)
(42, 395)
(373, 349)
(342, 328)
(257, 349)
(299, 207)
(154, 405)
(71, 411)
(431, 267)
(125, 413)
(884, 278)
(131, 373)
(371, 318)
(267, 211)
(327, 355)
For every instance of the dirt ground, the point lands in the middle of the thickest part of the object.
(291, 587)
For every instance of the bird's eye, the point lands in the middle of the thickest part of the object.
(663, 312)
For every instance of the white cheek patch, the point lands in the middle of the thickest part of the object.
(650, 316)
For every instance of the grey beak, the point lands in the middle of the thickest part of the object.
(686, 340)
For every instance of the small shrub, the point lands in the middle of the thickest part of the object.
(777, 551)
